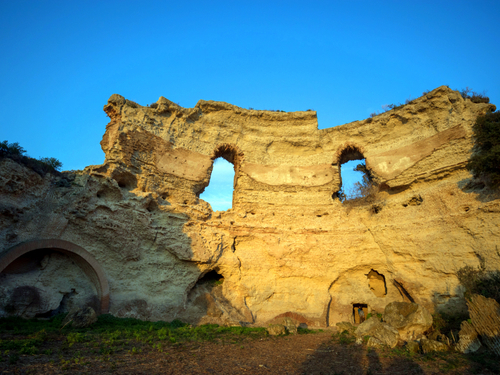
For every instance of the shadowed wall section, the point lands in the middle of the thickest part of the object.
(80, 256)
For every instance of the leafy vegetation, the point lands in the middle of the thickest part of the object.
(480, 281)
(363, 191)
(344, 338)
(17, 153)
(473, 96)
(109, 335)
(485, 159)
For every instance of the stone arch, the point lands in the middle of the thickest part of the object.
(231, 153)
(79, 255)
(348, 151)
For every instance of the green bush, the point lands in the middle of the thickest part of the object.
(52, 163)
(7, 148)
(361, 192)
(485, 159)
(480, 281)
(41, 166)
(473, 96)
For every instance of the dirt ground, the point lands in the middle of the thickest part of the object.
(319, 353)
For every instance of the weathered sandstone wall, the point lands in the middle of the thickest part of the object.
(287, 247)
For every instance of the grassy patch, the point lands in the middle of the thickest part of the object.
(71, 349)
(344, 338)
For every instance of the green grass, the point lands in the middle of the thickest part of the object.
(344, 338)
(304, 331)
(110, 337)
(110, 334)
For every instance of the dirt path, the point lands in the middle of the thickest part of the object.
(295, 354)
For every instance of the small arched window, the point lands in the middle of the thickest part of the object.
(219, 192)
(355, 177)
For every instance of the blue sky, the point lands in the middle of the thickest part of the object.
(61, 60)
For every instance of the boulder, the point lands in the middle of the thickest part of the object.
(290, 325)
(374, 343)
(383, 332)
(413, 347)
(367, 326)
(346, 326)
(410, 319)
(468, 339)
(80, 318)
(387, 334)
(429, 346)
(276, 329)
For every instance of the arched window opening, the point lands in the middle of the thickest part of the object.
(219, 192)
(356, 180)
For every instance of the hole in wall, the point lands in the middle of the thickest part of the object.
(416, 200)
(360, 312)
(211, 278)
(355, 178)
(152, 206)
(356, 181)
(219, 192)
(376, 282)
(125, 180)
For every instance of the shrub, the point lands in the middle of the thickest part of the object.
(480, 281)
(52, 163)
(485, 159)
(7, 148)
(360, 190)
(473, 96)
(41, 166)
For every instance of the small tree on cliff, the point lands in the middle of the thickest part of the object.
(485, 159)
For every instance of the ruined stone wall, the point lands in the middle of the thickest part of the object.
(288, 246)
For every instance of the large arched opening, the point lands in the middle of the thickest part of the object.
(219, 192)
(31, 258)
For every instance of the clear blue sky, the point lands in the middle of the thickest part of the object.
(61, 60)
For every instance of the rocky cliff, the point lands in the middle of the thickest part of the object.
(132, 236)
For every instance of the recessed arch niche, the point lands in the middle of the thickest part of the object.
(81, 257)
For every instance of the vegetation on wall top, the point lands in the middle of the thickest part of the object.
(17, 153)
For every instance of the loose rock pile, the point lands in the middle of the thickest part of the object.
(408, 324)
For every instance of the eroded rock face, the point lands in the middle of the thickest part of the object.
(384, 333)
(410, 319)
(429, 346)
(469, 339)
(288, 247)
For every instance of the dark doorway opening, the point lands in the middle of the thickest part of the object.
(211, 278)
(360, 312)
